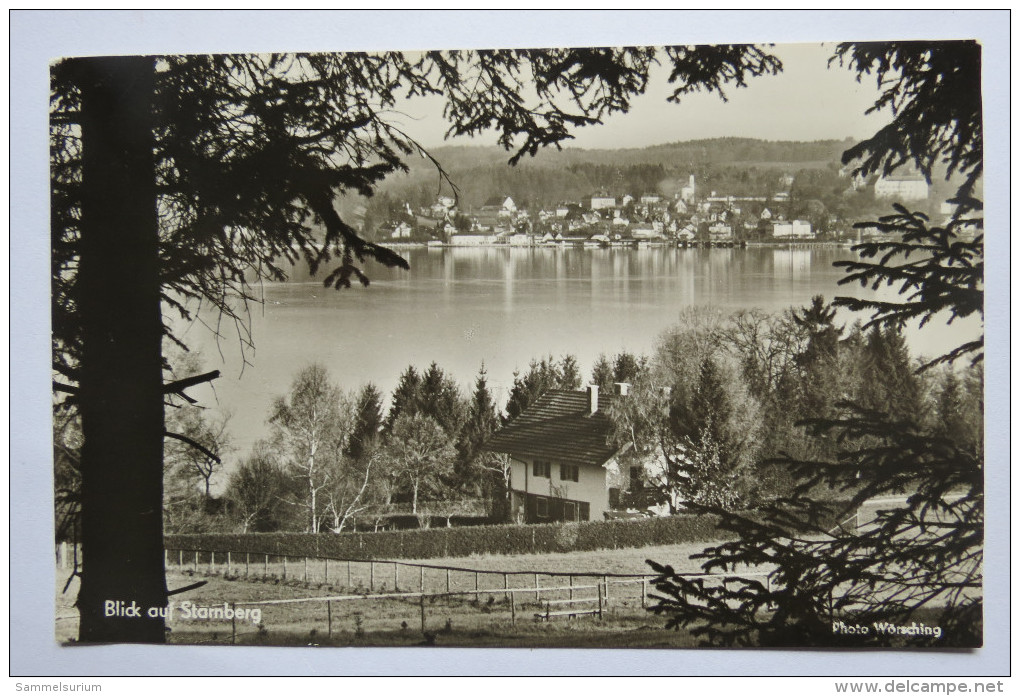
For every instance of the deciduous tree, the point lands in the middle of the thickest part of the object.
(257, 490)
(422, 454)
(312, 426)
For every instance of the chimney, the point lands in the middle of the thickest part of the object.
(593, 398)
(622, 388)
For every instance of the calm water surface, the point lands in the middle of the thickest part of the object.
(501, 306)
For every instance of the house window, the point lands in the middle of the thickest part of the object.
(636, 478)
(540, 469)
(568, 472)
(541, 507)
(569, 512)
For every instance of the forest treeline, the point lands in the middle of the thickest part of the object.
(709, 410)
(733, 166)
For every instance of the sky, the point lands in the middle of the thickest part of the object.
(808, 100)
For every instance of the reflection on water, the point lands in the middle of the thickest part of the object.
(461, 307)
(796, 263)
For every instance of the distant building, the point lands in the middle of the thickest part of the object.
(650, 199)
(792, 229)
(910, 186)
(720, 233)
(645, 231)
(443, 206)
(687, 192)
(400, 230)
(601, 201)
(467, 239)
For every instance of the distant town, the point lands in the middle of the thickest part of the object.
(692, 216)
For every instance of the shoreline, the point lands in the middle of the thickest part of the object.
(590, 246)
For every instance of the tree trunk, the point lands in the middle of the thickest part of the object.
(121, 397)
(313, 517)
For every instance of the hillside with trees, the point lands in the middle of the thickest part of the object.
(740, 166)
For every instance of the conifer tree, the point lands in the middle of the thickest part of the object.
(919, 562)
(482, 421)
(370, 421)
(406, 397)
(439, 398)
(602, 373)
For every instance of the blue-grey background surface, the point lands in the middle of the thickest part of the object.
(39, 37)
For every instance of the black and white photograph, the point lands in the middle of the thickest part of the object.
(598, 346)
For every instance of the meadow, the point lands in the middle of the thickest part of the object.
(456, 601)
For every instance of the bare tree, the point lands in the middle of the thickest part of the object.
(312, 426)
(349, 487)
(499, 464)
(422, 453)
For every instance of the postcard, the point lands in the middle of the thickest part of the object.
(604, 346)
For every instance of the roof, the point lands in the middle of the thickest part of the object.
(559, 427)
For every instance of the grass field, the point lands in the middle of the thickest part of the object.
(484, 619)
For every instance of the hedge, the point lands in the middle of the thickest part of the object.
(462, 541)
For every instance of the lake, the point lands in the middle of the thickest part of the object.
(462, 307)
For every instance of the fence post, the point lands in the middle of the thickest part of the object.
(306, 568)
(506, 584)
(284, 567)
(233, 623)
(247, 562)
(421, 603)
(212, 561)
(476, 584)
(605, 581)
(396, 577)
(571, 591)
(228, 563)
(349, 575)
(180, 558)
(513, 610)
(644, 592)
(599, 588)
(326, 573)
(537, 590)
(329, 619)
(421, 579)
(196, 561)
(265, 568)
(447, 581)
(371, 576)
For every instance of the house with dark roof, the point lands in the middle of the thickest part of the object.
(562, 463)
